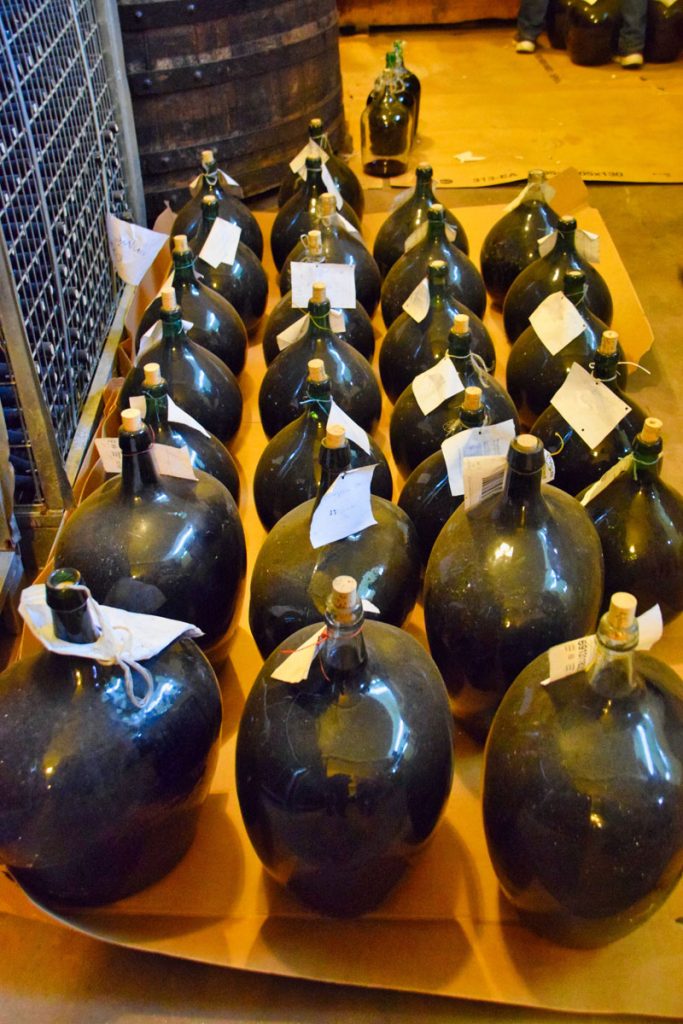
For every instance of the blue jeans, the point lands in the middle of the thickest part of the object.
(531, 19)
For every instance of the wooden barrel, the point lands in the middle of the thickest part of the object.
(243, 78)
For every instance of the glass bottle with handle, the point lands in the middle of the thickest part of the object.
(387, 124)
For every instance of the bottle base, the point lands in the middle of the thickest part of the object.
(385, 167)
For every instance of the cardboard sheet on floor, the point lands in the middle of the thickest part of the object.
(519, 112)
(445, 930)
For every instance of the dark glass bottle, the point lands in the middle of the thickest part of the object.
(387, 125)
(463, 280)
(100, 796)
(354, 386)
(216, 324)
(229, 208)
(339, 246)
(583, 807)
(288, 471)
(157, 544)
(516, 574)
(512, 243)
(206, 452)
(196, 380)
(556, 23)
(243, 283)
(426, 497)
(343, 777)
(639, 520)
(300, 213)
(410, 347)
(546, 275)
(577, 464)
(534, 374)
(409, 217)
(411, 83)
(358, 330)
(291, 578)
(414, 436)
(592, 30)
(664, 34)
(344, 178)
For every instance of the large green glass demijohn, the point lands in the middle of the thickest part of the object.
(344, 178)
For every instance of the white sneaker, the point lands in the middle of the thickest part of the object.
(526, 46)
(630, 60)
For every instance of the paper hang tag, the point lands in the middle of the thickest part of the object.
(546, 244)
(331, 186)
(295, 667)
(612, 474)
(168, 461)
(489, 440)
(292, 333)
(547, 191)
(338, 278)
(435, 385)
(368, 606)
(557, 322)
(548, 471)
(133, 248)
(346, 508)
(139, 637)
(338, 417)
(417, 303)
(588, 245)
(483, 476)
(337, 321)
(154, 334)
(588, 406)
(420, 233)
(578, 655)
(221, 243)
(298, 164)
(175, 413)
(346, 225)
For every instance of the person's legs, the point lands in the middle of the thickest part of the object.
(531, 19)
(632, 34)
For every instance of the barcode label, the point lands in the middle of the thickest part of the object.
(483, 476)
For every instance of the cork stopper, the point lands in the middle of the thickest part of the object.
(608, 343)
(472, 400)
(319, 292)
(424, 169)
(209, 202)
(335, 436)
(180, 243)
(435, 211)
(344, 593)
(622, 610)
(152, 374)
(207, 157)
(461, 323)
(316, 371)
(315, 125)
(131, 420)
(168, 299)
(527, 443)
(652, 430)
(536, 177)
(328, 204)
(438, 267)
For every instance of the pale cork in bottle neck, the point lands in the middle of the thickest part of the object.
(318, 292)
(335, 436)
(131, 420)
(461, 323)
(622, 610)
(316, 371)
(328, 204)
(472, 400)
(180, 243)
(152, 374)
(608, 343)
(168, 298)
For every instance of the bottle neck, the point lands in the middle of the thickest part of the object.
(172, 330)
(344, 653)
(211, 181)
(437, 294)
(647, 460)
(313, 186)
(472, 417)
(206, 223)
(68, 602)
(138, 472)
(612, 674)
(566, 241)
(156, 415)
(318, 136)
(435, 230)
(522, 501)
(319, 318)
(318, 400)
(423, 188)
(183, 269)
(333, 461)
(605, 367)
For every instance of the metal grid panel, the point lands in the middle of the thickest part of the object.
(60, 171)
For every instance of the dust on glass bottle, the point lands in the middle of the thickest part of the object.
(206, 452)
(546, 275)
(411, 83)
(410, 346)
(411, 216)
(288, 471)
(577, 464)
(353, 325)
(230, 207)
(243, 283)
(582, 797)
(354, 386)
(216, 324)
(639, 520)
(426, 497)
(387, 124)
(507, 579)
(511, 245)
(343, 776)
(339, 246)
(414, 436)
(300, 213)
(158, 544)
(592, 30)
(197, 381)
(101, 787)
(463, 280)
(291, 578)
(344, 178)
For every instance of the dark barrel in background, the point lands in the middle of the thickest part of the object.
(243, 78)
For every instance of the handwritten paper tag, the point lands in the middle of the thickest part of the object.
(292, 333)
(338, 417)
(417, 303)
(153, 335)
(436, 384)
(133, 248)
(169, 461)
(420, 233)
(612, 474)
(557, 322)
(588, 406)
(338, 278)
(221, 244)
(493, 439)
(547, 191)
(337, 321)
(295, 667)
(346, 508)
(483, 476)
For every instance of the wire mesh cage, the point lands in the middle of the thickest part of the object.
(61, 170)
